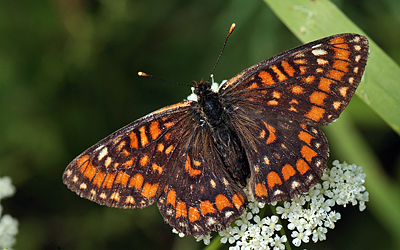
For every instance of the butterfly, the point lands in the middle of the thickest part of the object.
(260, 128)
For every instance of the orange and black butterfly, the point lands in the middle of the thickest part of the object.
(259, 128)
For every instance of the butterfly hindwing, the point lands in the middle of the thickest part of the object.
(200, 196)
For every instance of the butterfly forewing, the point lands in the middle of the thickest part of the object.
(129, 168)
(312, 83)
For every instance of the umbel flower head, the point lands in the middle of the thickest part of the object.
(308, 216)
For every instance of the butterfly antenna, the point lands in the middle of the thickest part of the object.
(140, 73)
(223, 47)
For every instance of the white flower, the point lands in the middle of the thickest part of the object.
(8, 225)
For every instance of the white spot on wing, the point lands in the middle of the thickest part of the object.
(102, 153)
(295, 184)
(228, 214)
(319, 52)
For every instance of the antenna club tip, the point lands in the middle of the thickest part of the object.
(140, 73)
(232, 27)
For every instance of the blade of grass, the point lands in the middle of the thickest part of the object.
(311, 20)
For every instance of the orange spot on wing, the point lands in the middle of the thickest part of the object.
(149, 190)
(253, 86)
(129, 162)
(125, 153)
(261, 190)
(169, 149)
(302, 166)
(206, 207)
(238, 200)
(109, 180)
(324, 84)
(266, 78)
(168, 124)
(188, 167)
(276, 94)
(273, 103)
(160, 147)
(303, 70)
(337, 40)
(341, 65)
(155, 129)
(181, 209)
(90, 171)
(98, 179)
(122, 178)
(193, 214)
(318, 98)
(82, 162)
(134, 140)
(156, 168)
(288, 68)
(136, 181)
(281, 77)
(308, 153)
(171, 198)
(341, 53)
(297, 90)
(273, 179)
(300, 61)
(316, 113)
(144, 160)
(222, 202)
(271, 136)
(335, 74)
(305, 137)
(288, 171)
(309, 79)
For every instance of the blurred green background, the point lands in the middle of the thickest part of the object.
(68, 78)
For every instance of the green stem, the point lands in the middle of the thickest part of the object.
(215, 243)
(282, 231)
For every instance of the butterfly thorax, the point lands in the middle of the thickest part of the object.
(217, 120)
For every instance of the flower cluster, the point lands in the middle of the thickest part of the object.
(8, 225)
(252, 232)
(309, 215)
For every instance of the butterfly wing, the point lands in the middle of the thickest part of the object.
(129, 168)
(286, 157)
(276, 106)
(200, 196)
(312, 83)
